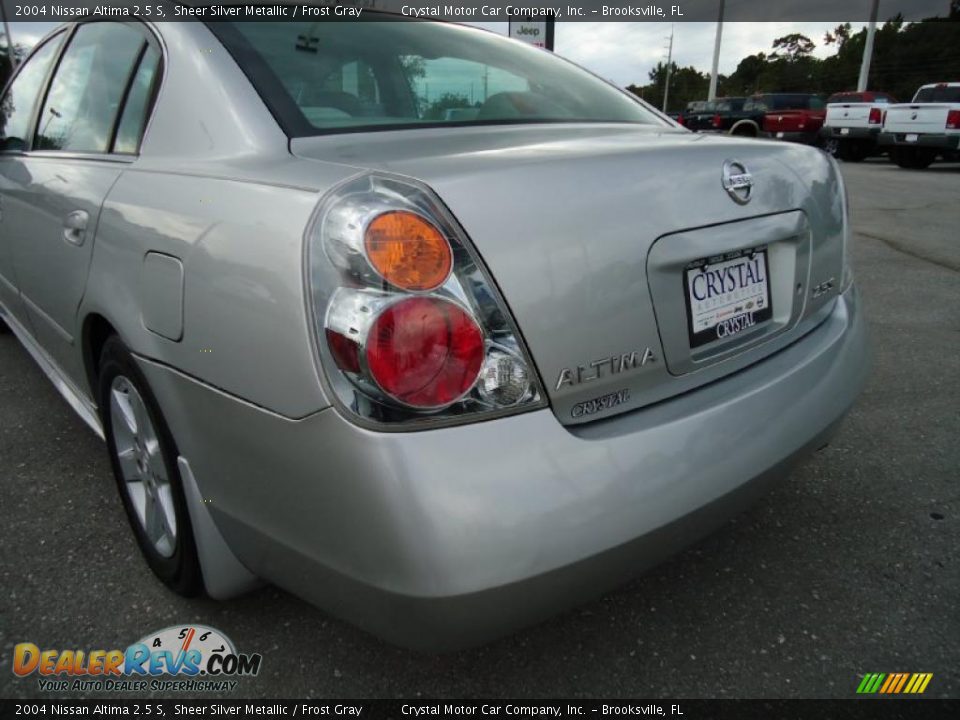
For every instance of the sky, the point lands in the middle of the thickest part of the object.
(624, 53)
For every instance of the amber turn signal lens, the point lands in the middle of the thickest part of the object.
(408, 251)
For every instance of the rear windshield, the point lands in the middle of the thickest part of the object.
(859, 98)
(938, 94)
(327, 77)
(764, 103)
(729, 104)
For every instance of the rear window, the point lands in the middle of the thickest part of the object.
(328, 77)
(860, 98)
(766, 103)
(938, 94)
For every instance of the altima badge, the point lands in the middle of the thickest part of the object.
(737, 181)
(605, 367)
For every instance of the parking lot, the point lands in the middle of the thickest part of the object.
(851, 565)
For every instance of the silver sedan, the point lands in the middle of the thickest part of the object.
(432, 328)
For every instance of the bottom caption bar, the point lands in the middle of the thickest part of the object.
(677, 709)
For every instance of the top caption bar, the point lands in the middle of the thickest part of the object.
(484, 10)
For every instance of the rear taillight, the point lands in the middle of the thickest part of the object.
(410, 330)
(953, 120)
(876, 116)
(424, 352)
(717, 121)
(680, 120)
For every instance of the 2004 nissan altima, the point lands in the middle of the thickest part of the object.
(434, 329)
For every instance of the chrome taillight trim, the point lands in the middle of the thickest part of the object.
(468, 280)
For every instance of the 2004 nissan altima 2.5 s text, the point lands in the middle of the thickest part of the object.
(432, 328)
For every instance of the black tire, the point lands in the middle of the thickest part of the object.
(857, 152)
(181, 570)
(832, 146)
(914, 158)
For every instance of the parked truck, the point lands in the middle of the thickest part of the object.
(918, 132)
(785, 116)
(716, 116)
(853, 122)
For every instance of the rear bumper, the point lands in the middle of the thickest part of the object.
(803, 137)
(939, 141)
(852, 133)
(450, 537)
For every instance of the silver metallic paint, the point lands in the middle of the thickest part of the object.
(409, 534)
(394, 536)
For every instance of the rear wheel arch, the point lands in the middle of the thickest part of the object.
(94, 335)
(155, 473)
(745, 128)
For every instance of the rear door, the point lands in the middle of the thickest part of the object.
(86, 132)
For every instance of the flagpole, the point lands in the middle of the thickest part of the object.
(712, 94)
(868, 50)
(666, 87)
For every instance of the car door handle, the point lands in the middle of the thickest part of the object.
(75, 227)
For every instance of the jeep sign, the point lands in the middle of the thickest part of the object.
(538, 33)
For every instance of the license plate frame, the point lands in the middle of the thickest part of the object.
(715, 318)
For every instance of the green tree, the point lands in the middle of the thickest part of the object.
(6, 66)
(686, 84)
(792, 47)
(437, 109)
(745, 80)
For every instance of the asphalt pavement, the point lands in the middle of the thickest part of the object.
(851, 565)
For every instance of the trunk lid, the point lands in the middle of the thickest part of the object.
(588, 230)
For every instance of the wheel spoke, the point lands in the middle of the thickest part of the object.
(155, 460)
(138, 498)
(128, 463)
(144, 426)
(120, 408)
(166, 511)
(154, 526)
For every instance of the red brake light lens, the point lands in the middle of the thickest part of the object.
(876, 116)
(717, 121)
(953, 120)
(425, 352)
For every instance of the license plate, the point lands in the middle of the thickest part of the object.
(911, 137)
(844, 131)
(727, 295)
(779, 134)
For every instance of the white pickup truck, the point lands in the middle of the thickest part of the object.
(852, 125)
(917, 132)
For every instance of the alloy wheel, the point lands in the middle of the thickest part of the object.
(141, 462)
